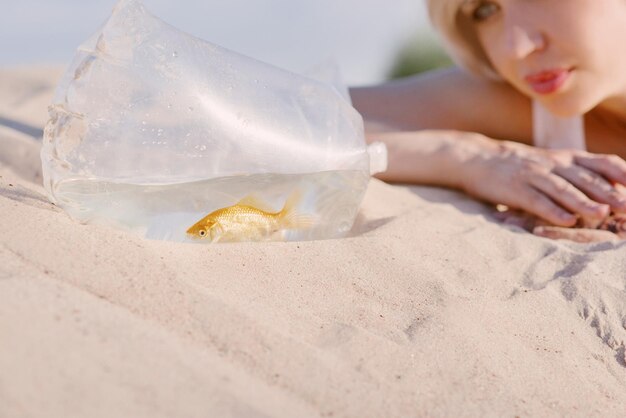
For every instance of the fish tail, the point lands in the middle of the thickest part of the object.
(291, 218)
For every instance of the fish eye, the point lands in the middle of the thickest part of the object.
(202, 232)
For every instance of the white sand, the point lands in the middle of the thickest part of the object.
(430, 308)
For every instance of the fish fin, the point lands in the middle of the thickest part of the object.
(255, 202)
(296, 220)
(291, 203)
(291, 218)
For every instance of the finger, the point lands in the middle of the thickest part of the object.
(621, 191)
(536, 202)
(568, 196)
(517, 218)
(610, 166)
(502, 214)
(594, 185)
(575, 234)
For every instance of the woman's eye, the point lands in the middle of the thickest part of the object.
(485, 10)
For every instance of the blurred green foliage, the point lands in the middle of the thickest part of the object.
(421, 53)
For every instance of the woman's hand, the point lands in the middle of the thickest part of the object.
(559, 186)
(564, 188)
(610, 229)
(584, 235)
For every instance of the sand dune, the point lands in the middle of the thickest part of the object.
(428, 308)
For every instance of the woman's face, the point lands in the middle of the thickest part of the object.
(568, 54)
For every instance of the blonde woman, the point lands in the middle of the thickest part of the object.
(534, 118)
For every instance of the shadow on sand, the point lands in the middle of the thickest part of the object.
(26, 196)
(32, 131)
(363, 226)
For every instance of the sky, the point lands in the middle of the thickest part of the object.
(362, 36)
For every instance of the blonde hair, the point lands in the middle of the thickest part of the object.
(459, 37)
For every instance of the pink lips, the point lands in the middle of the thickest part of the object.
(546, 82)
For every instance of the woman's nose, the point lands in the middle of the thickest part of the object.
(521, 41)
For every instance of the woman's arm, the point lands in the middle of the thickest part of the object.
(445, 99)
(509, 173)
(437, 128)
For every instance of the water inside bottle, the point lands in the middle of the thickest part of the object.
(166, 211)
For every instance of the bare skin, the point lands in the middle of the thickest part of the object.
(440, 129)
(475, 134)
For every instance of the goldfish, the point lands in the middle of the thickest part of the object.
(249, 220)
